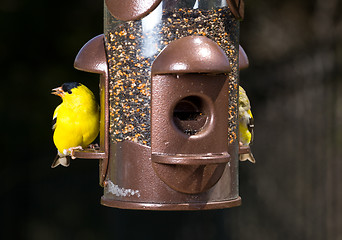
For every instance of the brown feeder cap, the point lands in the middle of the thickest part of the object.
(92, 57)
(243, 59)
(238, 8)
(180, 57)
(130, 10)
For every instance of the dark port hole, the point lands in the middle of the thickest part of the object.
(189, 115)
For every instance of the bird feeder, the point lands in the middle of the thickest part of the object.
(169, 100)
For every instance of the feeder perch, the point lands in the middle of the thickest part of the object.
(169, 101)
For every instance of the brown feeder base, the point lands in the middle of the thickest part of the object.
(171, 206)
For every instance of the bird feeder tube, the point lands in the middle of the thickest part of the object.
(169, 101)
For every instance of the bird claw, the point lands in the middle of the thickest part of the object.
(72, 151)
(94, 146)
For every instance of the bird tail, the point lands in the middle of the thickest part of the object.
(61, 160)
(247, 156)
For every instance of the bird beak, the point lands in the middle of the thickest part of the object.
(58, 91)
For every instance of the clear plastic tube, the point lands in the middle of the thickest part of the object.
(132, 46)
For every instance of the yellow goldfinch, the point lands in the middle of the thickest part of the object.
(246, 125)
(76, 121)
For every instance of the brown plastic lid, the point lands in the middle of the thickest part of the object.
(92, 57)
(129, 10)
(237, 7)
(192, 54)
(243, 59)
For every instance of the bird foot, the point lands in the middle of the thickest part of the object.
(72, 151)
(94, 146)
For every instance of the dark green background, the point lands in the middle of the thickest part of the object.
(294, 191)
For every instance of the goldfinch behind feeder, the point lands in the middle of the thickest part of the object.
(246, 125)
(76, 121)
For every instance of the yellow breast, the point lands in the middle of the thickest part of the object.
(77, 121)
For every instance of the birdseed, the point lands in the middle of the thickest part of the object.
(133, 46)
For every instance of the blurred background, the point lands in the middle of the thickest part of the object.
(294, 82)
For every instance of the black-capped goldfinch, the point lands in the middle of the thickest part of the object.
(76, 121)
(246, 125)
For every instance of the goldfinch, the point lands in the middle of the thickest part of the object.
(76, 121)
(246, 125)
